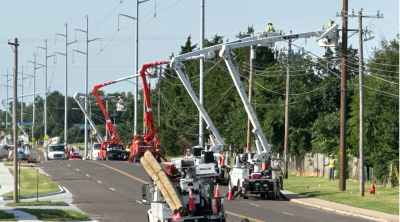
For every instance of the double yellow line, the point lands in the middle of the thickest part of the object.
(143, 181)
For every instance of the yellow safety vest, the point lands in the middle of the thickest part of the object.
(329, 25)
(270, 28)
(332, 163)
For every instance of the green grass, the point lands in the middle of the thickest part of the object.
(385, 200)
(6, 216)
(55, 215)
(37, 203)
(28, 183)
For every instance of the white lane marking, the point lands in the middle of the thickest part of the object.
(139, 202)
(137, 165)
(112, 188)
(77, 169)
(68, 165)
(254, 204)
(288, 213)
(87, 175)
(98, 181)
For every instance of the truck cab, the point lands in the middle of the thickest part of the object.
(56, 152)
(95, 150)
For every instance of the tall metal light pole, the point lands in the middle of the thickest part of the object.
(22, 93)
(15, 131)
(7, 97)
(136, 80)
(201, 133)
(86, 77)
(45, 87)
(34, 92)
(66, 83)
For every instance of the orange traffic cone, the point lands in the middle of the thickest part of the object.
(217, 191)
(230, 192)
(192, 206)
(38, 159)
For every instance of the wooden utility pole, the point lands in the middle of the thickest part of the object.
(360, 76)
(343, 103)
(15, 129)
(249, 126)
(286, 140)
(361, 112)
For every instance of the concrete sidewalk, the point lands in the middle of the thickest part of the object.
(340, 208)
(7, 185)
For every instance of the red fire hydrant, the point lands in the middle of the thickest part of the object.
(372, 190)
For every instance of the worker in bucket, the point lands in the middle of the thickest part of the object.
(270, 28)
(330, 24)
(331, 167)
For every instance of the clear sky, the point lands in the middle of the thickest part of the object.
(164, 26)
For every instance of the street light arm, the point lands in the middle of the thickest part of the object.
(127, 17)
(101, 42)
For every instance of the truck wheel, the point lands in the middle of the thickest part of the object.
(262, 195)
(245, 197)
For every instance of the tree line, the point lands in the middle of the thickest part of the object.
(314, 105)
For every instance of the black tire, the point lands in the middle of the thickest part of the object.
(245, 197)
(158, 159)
(245, 220)
(262, 195)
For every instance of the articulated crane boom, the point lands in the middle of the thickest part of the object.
(147, 141)
(247, 176)
(262, 39)
(115, 140)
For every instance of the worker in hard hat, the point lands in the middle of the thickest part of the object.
(270, 28)
(331, 167)
(330, 24)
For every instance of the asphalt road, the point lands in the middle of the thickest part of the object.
(111, 191)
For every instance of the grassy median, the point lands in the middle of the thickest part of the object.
(55, 215)
(28, 178)
(6, 216)
(385, 200)
(38, 203)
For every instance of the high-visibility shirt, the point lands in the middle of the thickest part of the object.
(270, 28)
(329, 25)
(331, 162)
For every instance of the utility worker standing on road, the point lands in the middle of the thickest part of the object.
(330, 24)
(270, 28)
(281, 178)
(331, 167)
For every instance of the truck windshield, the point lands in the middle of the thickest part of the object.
(57, 148)
(96, 146)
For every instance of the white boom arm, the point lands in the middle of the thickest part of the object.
(77, 97)
(227, 54)
(9, 112)
(177, 65)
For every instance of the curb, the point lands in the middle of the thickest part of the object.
(339, 211)
(62, 190)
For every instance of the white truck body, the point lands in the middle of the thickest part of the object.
(55, 151)
(95, 151)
